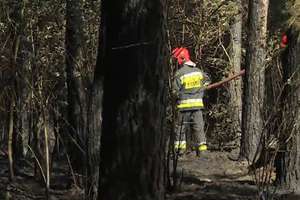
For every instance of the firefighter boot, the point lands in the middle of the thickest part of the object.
(180, 147)
(201, 152)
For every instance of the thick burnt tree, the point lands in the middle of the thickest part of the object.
(134, 107)
(288, 162)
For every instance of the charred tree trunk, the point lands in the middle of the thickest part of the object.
(15, 96)
(133, 138)
(94, 136)
(288, 163)
(22, 115)
(76, 91)
(94, 127)
(252, 115)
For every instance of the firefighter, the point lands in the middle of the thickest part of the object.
(188, 87)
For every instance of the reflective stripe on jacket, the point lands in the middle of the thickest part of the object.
(190, 103)
(188, 86)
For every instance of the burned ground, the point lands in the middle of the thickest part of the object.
(215, 178)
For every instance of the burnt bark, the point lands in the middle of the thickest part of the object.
(252, 115)
(15, 80)
(94, 125)
(76, 90)
(93, 139)
(288, 162)
(133, 137)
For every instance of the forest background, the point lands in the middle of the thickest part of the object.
(52, 77)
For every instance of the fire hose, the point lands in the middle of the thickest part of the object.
(218, 84)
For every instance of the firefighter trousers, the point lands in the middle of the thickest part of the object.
(190, 127)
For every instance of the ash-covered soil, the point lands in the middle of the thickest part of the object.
(214, 178)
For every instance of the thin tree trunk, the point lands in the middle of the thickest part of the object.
(10, 141)
(93, 138)
(16, 30)
(133, 139)
(252, 114)
(76, 91)
(94, 124)
(47, 159)
(235, 87)
(95, 127)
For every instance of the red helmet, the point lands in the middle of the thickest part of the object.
(284, 40)
(181, 54)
